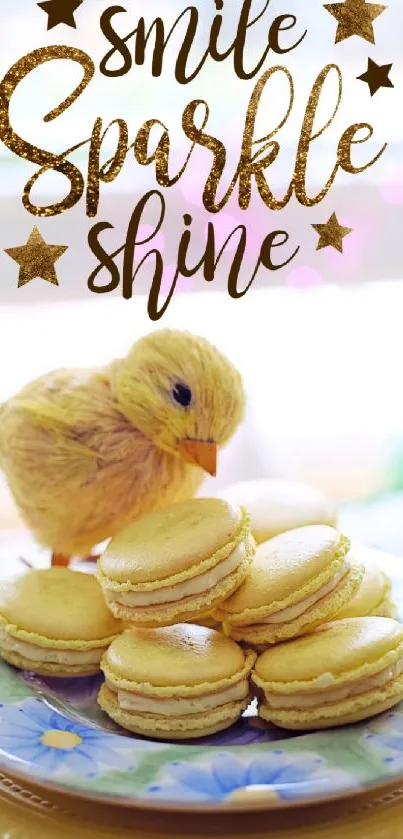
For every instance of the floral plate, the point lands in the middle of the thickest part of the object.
(53, 733)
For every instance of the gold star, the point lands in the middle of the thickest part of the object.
(60, 11)
(36, 259)
(331, 234)
(355, 17)
(376, 76)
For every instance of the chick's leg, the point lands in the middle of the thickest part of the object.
(58, 560)
(61, 561)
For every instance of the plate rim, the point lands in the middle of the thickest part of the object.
(208, 808)
(251, 804)
(142, 803)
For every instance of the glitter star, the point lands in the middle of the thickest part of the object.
(60, 11)
(331, 234)
(36, 259)
(355, 17)
(376, 76)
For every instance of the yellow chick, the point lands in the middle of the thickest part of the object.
(87, 451)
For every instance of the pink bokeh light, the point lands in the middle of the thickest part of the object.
(156, 243)
(193, 183)
(391, 190)
(303, 278)
(224, 224)
(364, 230)
(183, 284)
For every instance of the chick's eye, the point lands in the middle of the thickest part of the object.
(182, 395)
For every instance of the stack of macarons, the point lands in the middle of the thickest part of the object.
(304, 573)
(185, 600)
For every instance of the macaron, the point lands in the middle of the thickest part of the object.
(208, 621)
(297, 581)
(373, 596)
(176, 564)
(276, 506)
(342, 673)
(55, 622)
(176, 682)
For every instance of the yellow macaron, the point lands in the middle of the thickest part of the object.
(208, 621)
(176, 682)
(55, 622)
(177, 563)
(373, 597)
(297, 581)
(343, 672)
(276, 506)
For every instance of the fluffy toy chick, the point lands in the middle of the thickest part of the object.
(87, 451)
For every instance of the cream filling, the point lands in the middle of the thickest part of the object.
(45, 655)
(293, 612)
(178, 707)
(171, 594)
(306, 700)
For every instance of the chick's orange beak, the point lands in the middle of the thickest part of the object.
(201, 453)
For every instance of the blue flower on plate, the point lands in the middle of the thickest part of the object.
(78, 694)
(50, 742)
(386, 734)
(282, 775)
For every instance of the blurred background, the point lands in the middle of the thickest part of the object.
(320, 343)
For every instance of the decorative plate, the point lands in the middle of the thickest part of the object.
(53, 733)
